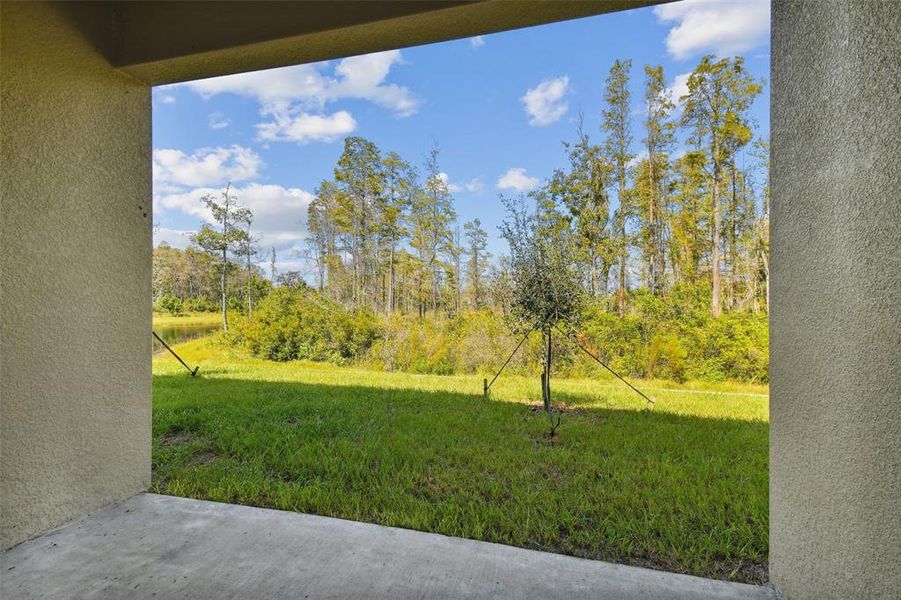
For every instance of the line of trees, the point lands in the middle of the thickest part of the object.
(384, 239)
(384, 234)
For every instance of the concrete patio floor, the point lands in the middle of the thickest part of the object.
(152, 546)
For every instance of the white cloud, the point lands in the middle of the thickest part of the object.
(305, 127)
(451, 187)
(364, 77)
(267, 87)
(279, 213)
(167, 99)
(207, 166)
(723, 27)
(516, 179)
(679, 87)
(177, 238)
(477, 41)
(474, 185)
(218, 120)
(295, 97)
(544, 103)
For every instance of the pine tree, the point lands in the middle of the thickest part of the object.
(659, 135)
(359, 175)
(477, 261)
(582, 189)
(719, 95)
(617, 125)
(400, 188)
(431, 218)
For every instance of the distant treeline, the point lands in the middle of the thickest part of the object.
(385, 236)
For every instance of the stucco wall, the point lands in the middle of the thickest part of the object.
(75, 255)
(835, 442)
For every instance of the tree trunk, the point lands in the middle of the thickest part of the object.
(621, 293)
(391, 280)
(546, 379)
(733, 234)
(249, 287)
(592, 272)
(624, 248)
(653, 274)
(715, 245)
(223, 287)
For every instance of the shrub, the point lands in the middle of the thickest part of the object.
(292, 324)
(200, 305)
(733, 346)
(659, 338)
(170, 304)
(675, 337)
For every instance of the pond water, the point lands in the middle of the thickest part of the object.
(176, 334)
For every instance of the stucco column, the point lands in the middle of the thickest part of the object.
(75, 261)
(835, 442)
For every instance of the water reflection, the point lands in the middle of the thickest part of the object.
(176, 334)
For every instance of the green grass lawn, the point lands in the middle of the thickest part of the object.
(680, 487)
(197, 319)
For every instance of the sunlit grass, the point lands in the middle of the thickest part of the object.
(681, 486)
(197, 319)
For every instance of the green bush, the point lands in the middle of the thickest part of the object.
(672, 337)
(292, 324)
(200, 305)
(733, 346)
(170, 304)
(675, 337)
(472, 342)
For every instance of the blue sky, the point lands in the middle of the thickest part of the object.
(498, 106)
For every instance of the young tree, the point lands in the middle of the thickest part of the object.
(455, 277)
(762, 225)
(617, 125)
(247, 248)
(477, 261)
(218, 243)
(546, 290)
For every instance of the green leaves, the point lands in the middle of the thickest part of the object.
(547, 287)
(291, 324)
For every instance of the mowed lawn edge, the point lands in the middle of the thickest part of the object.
(680, 486)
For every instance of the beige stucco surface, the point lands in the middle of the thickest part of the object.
(835, 422)
(75, 253)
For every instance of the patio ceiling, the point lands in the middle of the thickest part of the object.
(164, 42)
